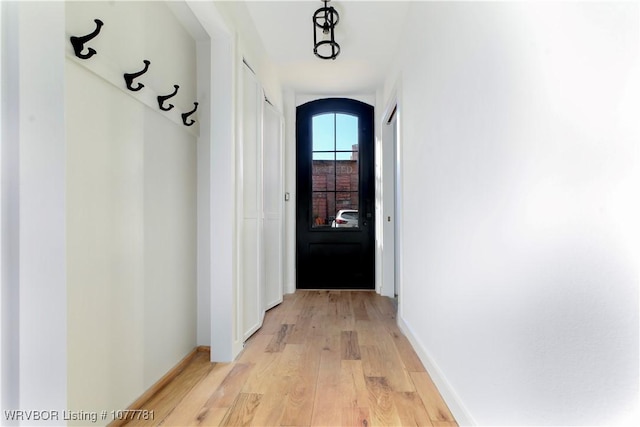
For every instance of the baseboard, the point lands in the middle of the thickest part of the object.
(159, 385)
(453, 401)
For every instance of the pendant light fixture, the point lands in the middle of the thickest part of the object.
(324, 21)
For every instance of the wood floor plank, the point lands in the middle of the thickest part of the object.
(367, 333)
(290, 315)
(372, 361)
(273, 319)
(327, 403)
(407, 354)
(192, 408)
(394, 369)
(349, 346)
(373, 311)
(381, 405)
(290, 363)
(311, 354)
(382, 309)
(230, 387)
(298, 402)
(345, 317)
(359, 305)
(410, 409)
(254, 347)
(271, 408)
(331, 327)
(318, 299)
(318, 325)
(302, 328)
(206, 417)
(356, 417)
(279, 340)
(262, 374)
(387, 307)
(353, 387)
(242, 410)
(431, 399)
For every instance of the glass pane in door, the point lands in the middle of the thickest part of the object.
(324, 205)
(335, 171)
(346, 132)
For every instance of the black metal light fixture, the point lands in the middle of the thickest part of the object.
(325, 20)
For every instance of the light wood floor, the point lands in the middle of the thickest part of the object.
(322, 358)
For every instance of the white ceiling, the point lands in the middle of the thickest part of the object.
(368, 33)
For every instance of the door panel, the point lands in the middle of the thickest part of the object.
(273, 207)
(335, 228)
(252, 273)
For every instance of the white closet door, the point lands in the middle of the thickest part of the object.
(273, 238)
(252, 282)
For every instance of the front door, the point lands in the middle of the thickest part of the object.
(335, 231)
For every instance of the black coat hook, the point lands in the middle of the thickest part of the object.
(163, 98)
(78, 42)
(128, 77)
(186, 115)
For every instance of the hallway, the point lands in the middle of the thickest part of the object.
(504, 212)
(322, 358)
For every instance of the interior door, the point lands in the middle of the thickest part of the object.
(335, 229)
(273, 206)
(260, 181)
(251, 231)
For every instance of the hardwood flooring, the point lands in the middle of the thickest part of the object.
(322, 358)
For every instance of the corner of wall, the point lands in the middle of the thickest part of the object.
(448, 393)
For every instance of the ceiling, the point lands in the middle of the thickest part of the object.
(368, 33)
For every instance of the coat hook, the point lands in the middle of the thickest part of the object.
(185, 115)
(128, 78)
(163, 98)
(78, 42)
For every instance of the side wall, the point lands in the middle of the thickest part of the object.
(520, 171)
(33, 287)
(131, 206)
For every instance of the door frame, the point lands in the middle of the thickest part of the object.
(391, 283)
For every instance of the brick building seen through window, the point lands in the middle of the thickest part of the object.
(335, 187)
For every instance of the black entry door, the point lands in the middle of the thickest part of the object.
(335, 195)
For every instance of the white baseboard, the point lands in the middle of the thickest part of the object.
(451, 398)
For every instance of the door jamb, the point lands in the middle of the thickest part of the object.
(393, 110)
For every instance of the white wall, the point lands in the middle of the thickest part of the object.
(34, 341)
(520, 170)
(9, 344)
(131, 206)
